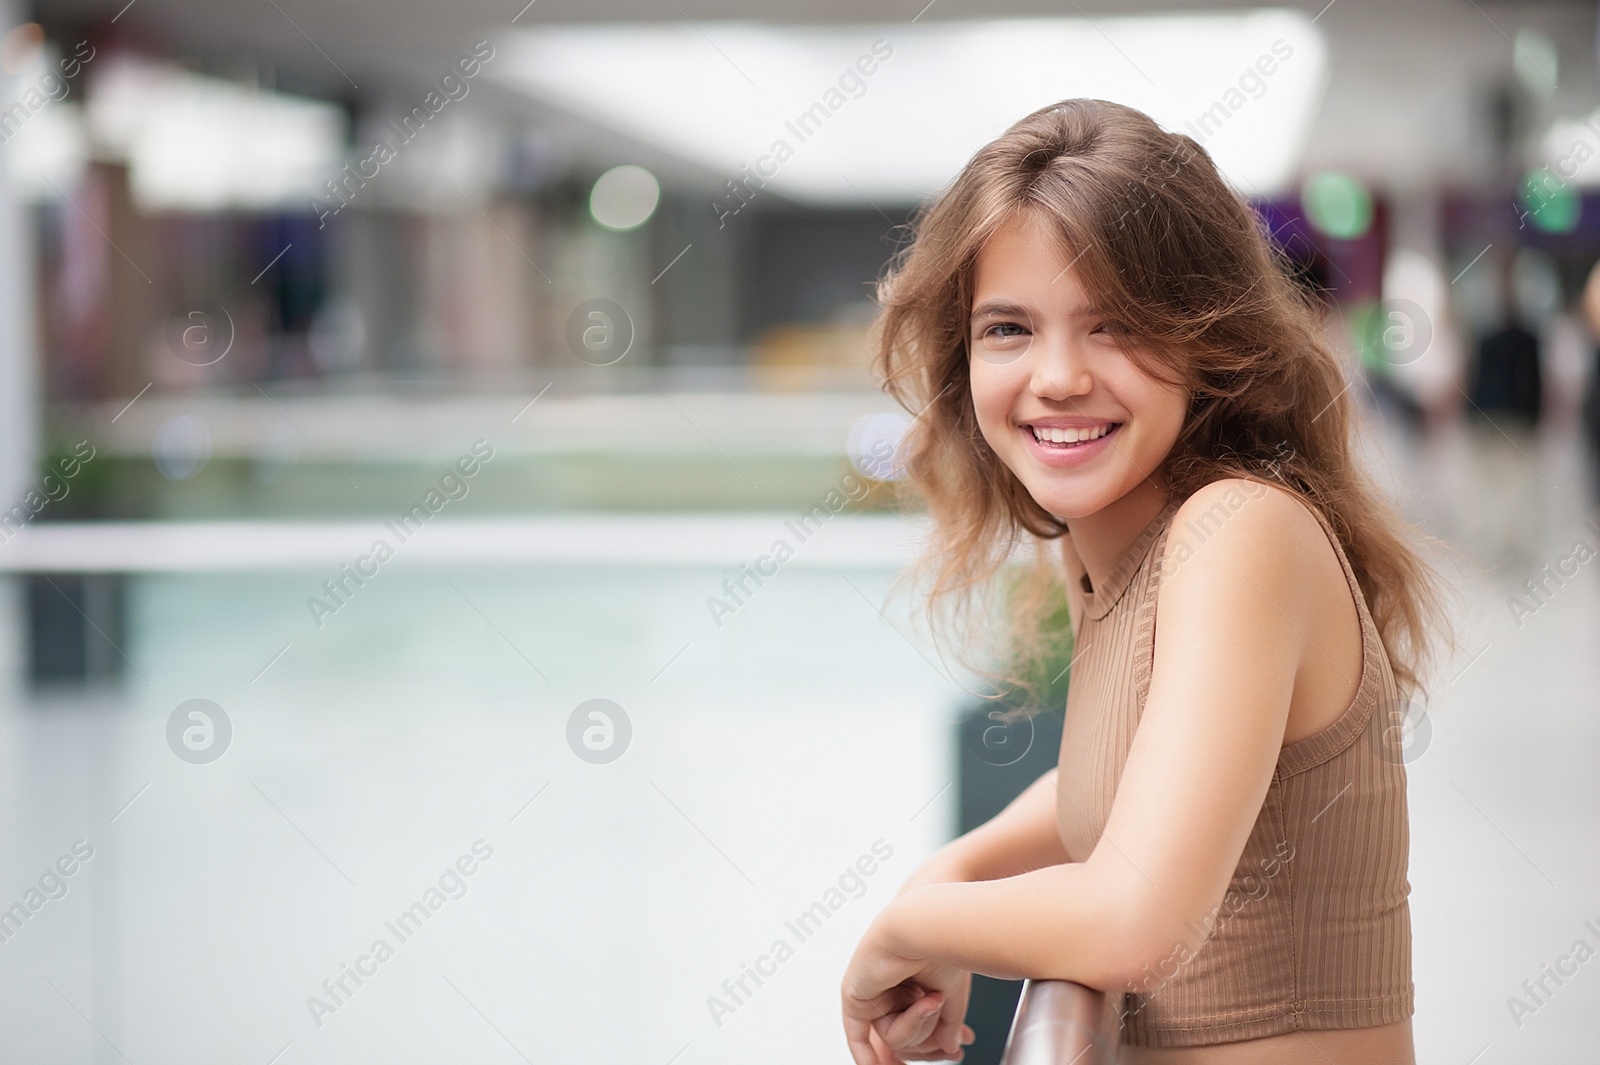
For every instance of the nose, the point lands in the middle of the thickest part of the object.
(1060, 371)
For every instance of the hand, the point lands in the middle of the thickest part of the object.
(916, 1033)
(898, 1009)
(918, 1025)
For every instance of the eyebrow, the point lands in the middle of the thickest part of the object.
(1006, 308)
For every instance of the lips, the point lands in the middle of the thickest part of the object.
(1082, 440)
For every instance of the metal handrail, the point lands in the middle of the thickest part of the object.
(1062, 1023)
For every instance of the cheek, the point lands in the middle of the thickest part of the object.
(992, 395)
(1166, 422)
(1158, 408)
(1144, 394)
(1166, 407)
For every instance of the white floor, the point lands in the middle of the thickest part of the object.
(767, 756)
(1505, 797)
(379, 749)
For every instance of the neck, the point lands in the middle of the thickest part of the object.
(1101, 538)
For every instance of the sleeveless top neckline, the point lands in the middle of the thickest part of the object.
(1098, 601)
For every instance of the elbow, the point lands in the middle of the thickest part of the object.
(1141, 943)
(1142, 961)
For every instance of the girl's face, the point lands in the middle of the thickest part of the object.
(1056, 398)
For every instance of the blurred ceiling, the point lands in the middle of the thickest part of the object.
(1408, 101)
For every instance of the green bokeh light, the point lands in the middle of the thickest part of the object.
(1536, 62)
(1337, 204)
(1552, 204)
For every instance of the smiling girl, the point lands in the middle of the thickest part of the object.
(1106, 353)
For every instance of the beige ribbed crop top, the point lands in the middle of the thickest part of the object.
(1315, 930)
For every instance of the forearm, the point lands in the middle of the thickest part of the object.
(1078, 921)
(1020, 838)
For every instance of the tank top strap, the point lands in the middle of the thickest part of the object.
(1344, 563)
(1144, 618)
(1308, 751)
(1320, 746)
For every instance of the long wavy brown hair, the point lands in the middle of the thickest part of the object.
(1204, 299)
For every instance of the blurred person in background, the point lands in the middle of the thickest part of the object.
(1589, 307)
(1507, 378)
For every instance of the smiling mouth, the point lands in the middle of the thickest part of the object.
(1066, 438)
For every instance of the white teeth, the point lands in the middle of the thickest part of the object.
(1070, 435)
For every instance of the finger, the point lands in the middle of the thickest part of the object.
(928, 1052)
(884, 1054)
(864, 1046)
(951, 1034)
(913, 1026)
(947, 1035)
(891, 1000)
(861, 1048)
(898, 998)
(931, 1049)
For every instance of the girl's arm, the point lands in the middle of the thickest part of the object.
(1019, 838)
(1230, 624)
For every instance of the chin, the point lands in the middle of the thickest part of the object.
(1071, 503)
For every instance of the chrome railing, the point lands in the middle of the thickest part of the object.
(1062, 1023)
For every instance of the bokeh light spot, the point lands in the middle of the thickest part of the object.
(1552, 204)
(625, 197)
(1337, 204)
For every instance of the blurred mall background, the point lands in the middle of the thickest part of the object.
(597, 276)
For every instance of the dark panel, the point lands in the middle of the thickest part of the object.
(74, 627)
(807, 266)
(985, 788)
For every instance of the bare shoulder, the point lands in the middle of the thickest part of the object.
(1248, 583)
(1252, 583)
(1239, 524)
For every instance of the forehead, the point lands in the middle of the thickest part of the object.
(1026, 263)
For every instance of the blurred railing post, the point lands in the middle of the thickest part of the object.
(19, 377)
(1062, 1023)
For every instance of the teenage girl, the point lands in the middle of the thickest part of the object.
(1105, 351)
